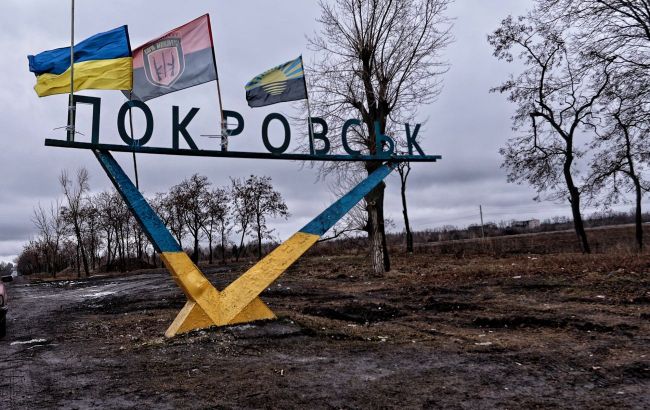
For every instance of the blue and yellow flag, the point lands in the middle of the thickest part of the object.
(101, 62)
(285, 82)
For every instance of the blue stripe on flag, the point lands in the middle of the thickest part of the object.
(293, 64)
(103, 46)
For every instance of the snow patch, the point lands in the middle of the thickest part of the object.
(98, 294)
(28, 342)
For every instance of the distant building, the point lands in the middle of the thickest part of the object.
(528, 224)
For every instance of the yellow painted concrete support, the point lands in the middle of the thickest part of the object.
(247, 287)
(239, 302)
(201, 309)
(192, 317)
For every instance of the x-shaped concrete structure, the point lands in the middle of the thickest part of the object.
(238, 302)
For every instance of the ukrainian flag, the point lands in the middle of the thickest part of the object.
(101, 62)
(285, 82)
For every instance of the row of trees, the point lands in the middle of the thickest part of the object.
(582, 102)
(90, 231)
(6, 268)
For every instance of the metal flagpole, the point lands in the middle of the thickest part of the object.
(71, 108)
(224, 129)
(312, 147)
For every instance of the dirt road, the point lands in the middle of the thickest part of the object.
(520, 332)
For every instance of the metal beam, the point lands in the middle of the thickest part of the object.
(236, 154)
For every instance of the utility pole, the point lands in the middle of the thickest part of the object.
(480, 209)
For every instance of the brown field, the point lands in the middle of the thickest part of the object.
(439, 331)
(618, 238)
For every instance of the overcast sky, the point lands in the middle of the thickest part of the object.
(466, 125)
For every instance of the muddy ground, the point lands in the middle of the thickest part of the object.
(567, 331)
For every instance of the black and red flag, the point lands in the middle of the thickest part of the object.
(180, 58)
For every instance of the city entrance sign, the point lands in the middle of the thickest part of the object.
(386, 145)
(239, 302)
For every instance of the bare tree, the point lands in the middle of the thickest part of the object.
(188, 199)
(621, 156)
(217, 209)
(89, 228)
(121, 219)
(606, 28)
(74, 193)
(58, 229)
(378, 60)
(51, 228)
(6, 268)
(267, 202)
(159, 204)
(555, 97)
(242, 210)
(42, 223)
(28, 260)
(104, 203)
(170, 208)
(614, 33)
(404, 169)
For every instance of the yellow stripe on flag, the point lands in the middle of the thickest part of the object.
(112, 74)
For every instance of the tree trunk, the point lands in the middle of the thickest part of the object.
(108, 250)
(120, 247)
(195, 254)
(47, 259)
(638, 218)
(78, 264)
(382, 228)
(374, 233)
(574, 199)
(55, 259)
(93, 254)
(127, 248)
(578, 223)
(376, 247)
(83, 251)
(210, 249)
(139, 244)
(223, 248)
(407, 226)
(241, 246)
(375, 199)
(259, 243)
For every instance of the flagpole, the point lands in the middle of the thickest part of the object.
(71, 107)
(224, 129)
(312, 147)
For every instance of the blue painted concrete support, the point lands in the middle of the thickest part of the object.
(327, 219)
